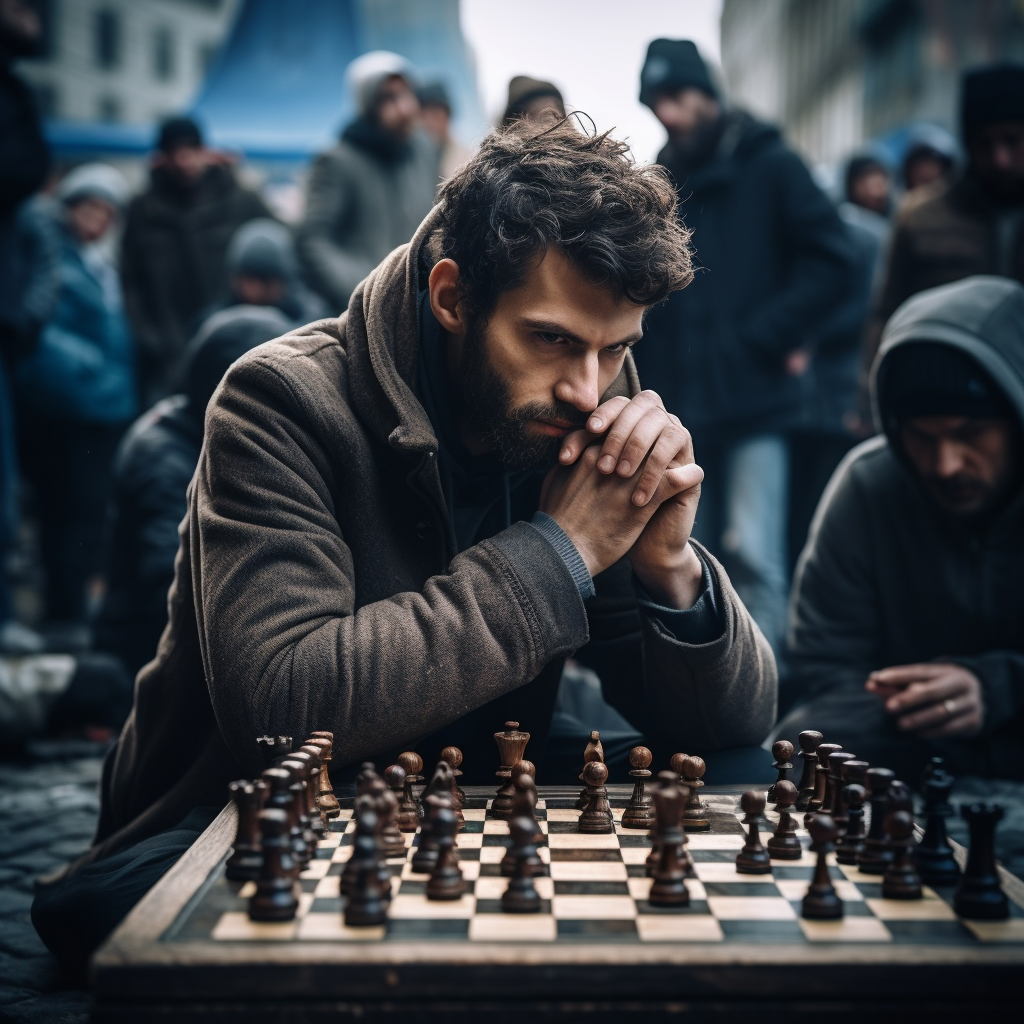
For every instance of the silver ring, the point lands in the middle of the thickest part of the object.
(950, 705)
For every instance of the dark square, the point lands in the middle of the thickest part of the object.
(496, 840)
(748, 889)
(587, 855)
(413, 887)
(639, 839)
(472, 827)
(762, 931)
(494, 907)
(327, 905)
(930, 933)
(472, 854)
(441, 928)
(713, 856)
(694, 907)
(591, 888)
(795, 872)
(615, 930)
(308, 884)
(870, 890)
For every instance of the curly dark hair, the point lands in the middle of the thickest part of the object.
(534, 185)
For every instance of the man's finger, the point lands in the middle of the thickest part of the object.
(901, 674)
(574, 445)
(960, 725)
(919, 694)
(671, 449)
(675, 482)
(601, 418)
(622, 428)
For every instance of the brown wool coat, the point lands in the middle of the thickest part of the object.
(308, 594)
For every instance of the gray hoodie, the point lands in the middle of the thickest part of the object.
(887, 578)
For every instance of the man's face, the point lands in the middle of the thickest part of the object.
(398, 108)
(258, 291)
(923, 170)
(684, 112)
(436, 120)
(20, 26)
(90, 219)
(871, 190)
(186, 164)
(549, 351)
(997, 155)
(966, 463)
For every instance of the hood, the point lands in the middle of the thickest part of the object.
(366, 74)
(262, 248)
(982, 316)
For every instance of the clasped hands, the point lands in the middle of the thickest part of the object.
(933, 699)
(627, 484)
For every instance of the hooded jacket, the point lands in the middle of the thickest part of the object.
(887, 578)
(317, 587)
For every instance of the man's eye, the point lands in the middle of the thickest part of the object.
(549, 338)
(615, 350)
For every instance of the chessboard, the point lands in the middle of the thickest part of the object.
(191, 948)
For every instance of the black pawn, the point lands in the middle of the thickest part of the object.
(753, 859)
(901, 881)
(446, 881)
(409, 807)
(933, 855)
(367, 902)
(822, 903)
(850, 845)
(784, 844)
(695, 815)
(669, 886)
(521, 896)
(387, 808)
(980, 896)
(594, 751)
(782, 751)
(524, 804)
(274, 898)
(808, 741)
(817, 799)
(876, 856)
(597, 818)
(425, 857)
(246, 856)
(639, 812)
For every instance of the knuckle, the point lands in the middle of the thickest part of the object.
(590, 455)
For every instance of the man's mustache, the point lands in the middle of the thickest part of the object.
(560, 412)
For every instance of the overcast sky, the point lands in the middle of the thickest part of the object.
(592, 50)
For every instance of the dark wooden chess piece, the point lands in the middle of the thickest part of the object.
(367, 770)
(521, 896)
(524, 804)
(784, 843)
(695, 817)
(280, 796)
(851, 773)
(246, 855)
(667, 779)
(817, 799)
(933, 855)
(386, 808)
(409, 809)
(901, 881)
(639, 812)
(833, 783)
(669, 886)
(326, 799)
(446, 881)
(594, 751)
(808, 740)
(822, 903)
(366, 897)
(363, 804)
(511, 747)
(876, 856)
(852, 841)
(442, 782)
(753, 859)
(305, 845)
(310, 758)
(980, 896)
(454, 757)
(597, 818)
(782, 751)
(275, 897)
(425, 856)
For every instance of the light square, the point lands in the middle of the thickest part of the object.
(849, 929)
(327, 887)
(709, 841)
(247, 890)
(912, 910)
(635, 854)
(796, 888)
(563, 814)
(316, 869)
(725, 871)
(332, 927)
(1011, 930)
(513, 928)
(492, 888)
(474, 813)
(420, 908)
(469, 841)
(341, 854)
(582, 842)
(593, 908)
(678, 928)
(494, 827)
(588, 871)
(751, 908)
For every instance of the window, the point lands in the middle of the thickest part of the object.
(108, 109)
(163, 54)
(107, 39)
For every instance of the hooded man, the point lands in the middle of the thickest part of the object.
(908, 603)
(405, 520)
(731, 354)
(369, 193)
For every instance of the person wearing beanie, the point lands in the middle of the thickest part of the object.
(174, 246)
(368, 193)
(732, 355)
(905, 624)
(436, 117)
(969, 222)
(932, 154)
(529, 98)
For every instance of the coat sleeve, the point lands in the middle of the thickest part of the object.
(819, 262)
(1002, 682)
(286, 646)
(334, 271)
(708, 696)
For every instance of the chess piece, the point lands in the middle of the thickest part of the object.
(275, 897)
(695, 817)
(808, 741)
(446, 881)
(782, 751)
(594, 751)
(933, 855)
(597, 818)
(363, 804)
(454, 757)
(425, 857)
(852, 842)
(305, 846)
(833, 783)
(367, 771)
(851, 773)
(442, 782)
(367, 898)
(980, 896)
(784, 844)
(817, 799)
(280, 796)
(753, 859)
(511, 747)
(639, 812)
(876, 856)
(521, 896)
(310, 757)
(524, 804)
(409, 809)
(326, 799)
(822, 903)
(246, 856)
(901, 881)
(669, 886)
(386, 808)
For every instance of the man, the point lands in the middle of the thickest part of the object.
(402, 522)
(730, 354)
(175, 239)
(931, 155)
(436, 115)
(908, 604)
(530, 98)
(369, 193)
(948, 231)
(868, 184)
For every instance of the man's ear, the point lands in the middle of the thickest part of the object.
(444, 297)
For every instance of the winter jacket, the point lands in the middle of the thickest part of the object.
(773, 260)
(888, 579)
(316, 587)
(82, 367)
(364, 199)
(173, 262)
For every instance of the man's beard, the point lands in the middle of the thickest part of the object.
(486, 400)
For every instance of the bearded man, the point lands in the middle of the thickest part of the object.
(404, 520)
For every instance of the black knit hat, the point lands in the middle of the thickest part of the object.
(522, 89)
(434, 94)
(935, 379)
(990, 95)
(178, 131)
(671, 65)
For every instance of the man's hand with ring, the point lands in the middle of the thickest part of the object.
(935, 699)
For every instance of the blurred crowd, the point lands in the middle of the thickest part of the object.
(120, 313)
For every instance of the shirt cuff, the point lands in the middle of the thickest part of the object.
(559, 540)
(697, 625)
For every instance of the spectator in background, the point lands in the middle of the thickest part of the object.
(528, 98)
(175, 241)
(868, 184)
(931, 156)
(730, 354)
(152, 471)
(369, 193)
(436, 116)
(24, 162)
(76, 394)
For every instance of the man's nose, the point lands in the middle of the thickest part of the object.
(580, 385)
(949, 459)
(1002, 156)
